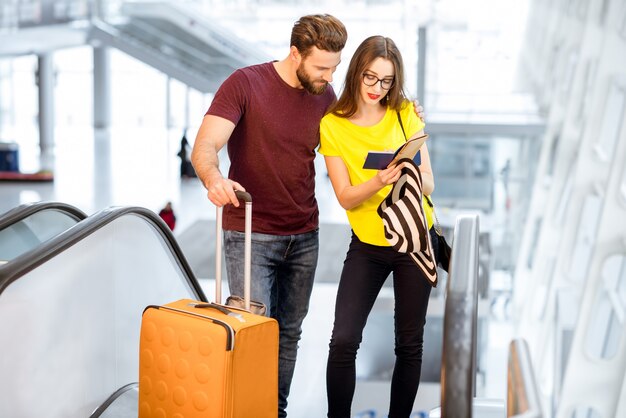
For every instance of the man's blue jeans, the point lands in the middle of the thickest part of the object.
(283, 269)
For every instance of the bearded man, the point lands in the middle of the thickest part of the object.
(269, 117)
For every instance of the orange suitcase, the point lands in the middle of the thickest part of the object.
(208, 360)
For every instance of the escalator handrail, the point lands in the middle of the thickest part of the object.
(523, 399)
(22, 212)
(458, 368)
(30, 260)
(111, 399)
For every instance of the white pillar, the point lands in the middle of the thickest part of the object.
(45, 82)
(421, 65)
(3, 111)
(101, 88)
(187, 113)
(168, 104)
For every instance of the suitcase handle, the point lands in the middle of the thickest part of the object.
(247, 198)
(220, 308)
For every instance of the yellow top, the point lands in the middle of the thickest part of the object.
(341, 138)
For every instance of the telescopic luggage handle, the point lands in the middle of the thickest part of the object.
(247, 198)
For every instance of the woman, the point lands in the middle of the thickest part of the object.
(167, 214)
(365, 118)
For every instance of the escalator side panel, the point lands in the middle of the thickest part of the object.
(69, 328)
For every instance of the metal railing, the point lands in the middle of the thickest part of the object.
(458, 370)
(523, 400)
(70, 309)
(29, 225)
(21, 14)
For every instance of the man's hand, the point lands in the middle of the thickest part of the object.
(212, 135)
(419, 110)
(221, 191)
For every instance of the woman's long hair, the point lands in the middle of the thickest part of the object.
(370, 49)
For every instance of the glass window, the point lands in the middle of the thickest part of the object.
(451, 163)
(74, 86)
(614, 277)
(585, 412)
(602, 12)
(585, 238)
(24, 99)
(6, 93)
(588, 79)
(605, 330)
(553, 152)
(569, 69)
(555, 61)
(621, 285)
(566, 310)
(480, 162)
(534, 242)
(566, 194)
(583, 6)
(611, 271)
(541, 300)
(623, 188)
(595, 339)
(611, 123)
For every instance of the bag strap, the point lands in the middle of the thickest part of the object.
(430, 203)
(437, 226)
(401, 126)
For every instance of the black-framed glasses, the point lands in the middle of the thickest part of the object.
(371, 80)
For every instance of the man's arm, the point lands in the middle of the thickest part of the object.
(212, 135)
(419, 110)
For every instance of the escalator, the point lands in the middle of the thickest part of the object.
(170, 36)
(70, 313)
(460, 344)
(27, 226)
(177, 41)
(121, 404)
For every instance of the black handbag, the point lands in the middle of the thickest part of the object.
(444, 251)
(403, 220)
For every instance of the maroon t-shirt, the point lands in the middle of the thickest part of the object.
(272, 148)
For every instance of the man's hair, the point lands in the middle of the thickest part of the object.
(370, 49)
(323, 31)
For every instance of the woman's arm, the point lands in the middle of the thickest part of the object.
(350, 196)
(428, 180)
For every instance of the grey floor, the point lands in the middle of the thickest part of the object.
(139, 167)
(198, 244)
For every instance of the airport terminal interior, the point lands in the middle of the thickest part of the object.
(525, 105)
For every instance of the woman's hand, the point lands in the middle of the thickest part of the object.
(388, 176)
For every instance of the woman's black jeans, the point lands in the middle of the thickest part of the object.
(365, 270)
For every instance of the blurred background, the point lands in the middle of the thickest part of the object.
(524, 101)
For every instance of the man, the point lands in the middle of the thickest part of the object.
(269, 114)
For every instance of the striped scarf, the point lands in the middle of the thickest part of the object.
(406, 228)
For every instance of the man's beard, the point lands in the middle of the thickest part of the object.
(306, 82)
